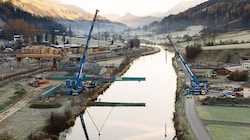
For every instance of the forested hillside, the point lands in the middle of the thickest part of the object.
(51, 8)
(20, 22)
(34, 17)
(219, 15)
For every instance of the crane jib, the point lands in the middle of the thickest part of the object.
(184, 62)
(79, 85)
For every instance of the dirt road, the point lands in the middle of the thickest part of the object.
(29, 97)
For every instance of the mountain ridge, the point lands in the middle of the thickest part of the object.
(59, 10)
(136, 21)
(183, 6)
(55, 9)
(219, 15)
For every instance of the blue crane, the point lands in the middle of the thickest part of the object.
(79, 86)
(198, 87)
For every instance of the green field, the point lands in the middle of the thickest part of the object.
(83, 41)
(227, 132)
(220, 113)
(231, 114)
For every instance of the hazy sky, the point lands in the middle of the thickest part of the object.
(121, 7)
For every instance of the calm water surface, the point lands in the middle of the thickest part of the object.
(135, 123)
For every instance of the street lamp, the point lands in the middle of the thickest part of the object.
(27, 65)
(63, 39)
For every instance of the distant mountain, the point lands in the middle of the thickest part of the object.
(180, 7)
(219, 15)
(132, 20)
(183, 6)
(112, 17)
(135, 21)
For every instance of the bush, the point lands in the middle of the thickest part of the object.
(193, 51)
(238, 76)
(57, 123)
(45, 105)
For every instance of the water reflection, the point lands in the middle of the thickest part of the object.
(135, 123)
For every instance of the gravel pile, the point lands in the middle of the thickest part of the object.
(73, 68)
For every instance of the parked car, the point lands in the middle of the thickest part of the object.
(230, 96)
(237, 94)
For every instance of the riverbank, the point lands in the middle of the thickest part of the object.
(30, 121)
(182, 127)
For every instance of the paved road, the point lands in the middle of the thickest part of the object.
(197, 126)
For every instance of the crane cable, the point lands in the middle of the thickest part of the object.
(99, 130)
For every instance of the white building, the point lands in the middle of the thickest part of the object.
(18, 37)
(246, 63)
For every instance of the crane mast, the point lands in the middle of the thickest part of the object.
(198, 88)
(79, 85)
(184, 62)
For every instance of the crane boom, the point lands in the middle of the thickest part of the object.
(184, 62)
(79, 85)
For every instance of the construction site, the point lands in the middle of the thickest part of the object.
(40, 80)
(36, 84)
(29, 87)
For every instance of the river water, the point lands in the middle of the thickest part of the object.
(152, 122)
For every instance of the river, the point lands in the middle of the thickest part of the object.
(151, 122)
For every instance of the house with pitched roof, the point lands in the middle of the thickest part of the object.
(228, 70)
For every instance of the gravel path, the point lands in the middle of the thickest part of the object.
(208, 122)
